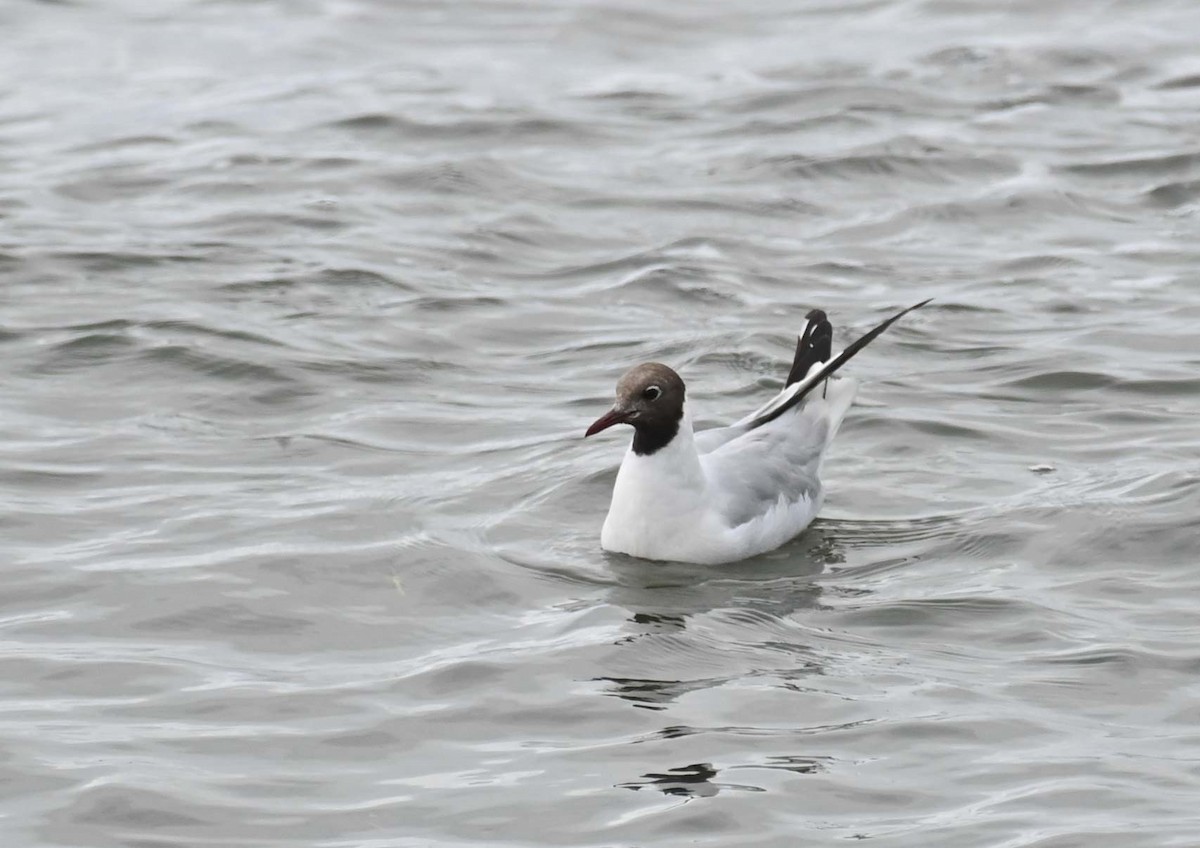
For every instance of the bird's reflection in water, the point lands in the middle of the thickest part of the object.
(755, 597)
(694, 781)
(655, 694)
(697, 780)
(692, 628)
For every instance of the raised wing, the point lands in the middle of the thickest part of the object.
(812, 349)
(817, 375)
(812, 365)
(710, 440)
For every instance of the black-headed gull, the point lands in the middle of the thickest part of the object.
(731, 492)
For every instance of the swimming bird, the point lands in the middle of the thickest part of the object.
(730, 492)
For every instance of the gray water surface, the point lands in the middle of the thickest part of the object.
(307, 303)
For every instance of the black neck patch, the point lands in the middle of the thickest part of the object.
(652, 436)
(650, 396)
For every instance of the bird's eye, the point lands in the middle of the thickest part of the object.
(652, 393)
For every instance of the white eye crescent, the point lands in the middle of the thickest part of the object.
(652, 393)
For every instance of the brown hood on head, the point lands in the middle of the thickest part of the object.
(650, 397)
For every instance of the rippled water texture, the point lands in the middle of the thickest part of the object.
(307, 303)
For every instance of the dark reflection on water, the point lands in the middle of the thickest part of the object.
(694, 781)
(306, 306)
(653, 694)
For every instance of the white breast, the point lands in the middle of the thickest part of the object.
(661, 505)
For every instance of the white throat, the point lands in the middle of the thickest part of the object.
(658, 497)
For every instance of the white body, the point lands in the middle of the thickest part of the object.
(728, 493)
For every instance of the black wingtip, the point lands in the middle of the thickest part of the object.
(815, 345)
(831, 366)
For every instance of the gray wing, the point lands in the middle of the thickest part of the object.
(752, 471)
